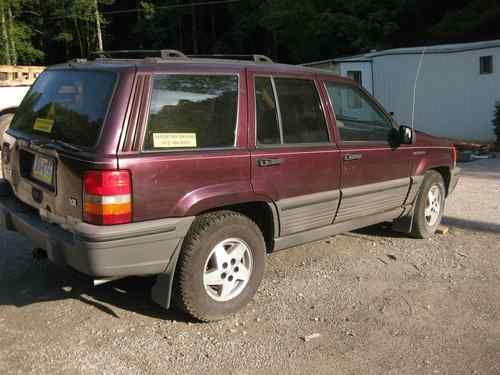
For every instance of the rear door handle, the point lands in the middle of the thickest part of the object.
(356, 156)
(269, 162)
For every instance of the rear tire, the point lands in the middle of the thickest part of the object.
(429, 207)
(5, 121)
(220, 266)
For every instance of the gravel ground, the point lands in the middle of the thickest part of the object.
(380, 302)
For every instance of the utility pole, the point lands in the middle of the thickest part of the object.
(98, 27)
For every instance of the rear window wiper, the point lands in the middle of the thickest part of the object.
(58, 142)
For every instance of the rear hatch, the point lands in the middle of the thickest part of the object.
(52, 137)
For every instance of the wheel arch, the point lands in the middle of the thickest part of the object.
(445, 172)
(263, 213)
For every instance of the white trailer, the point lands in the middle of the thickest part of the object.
(456, 93)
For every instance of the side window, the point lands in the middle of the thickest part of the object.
(268, 130)
(358, 119)
(301, 114)
(192, 111)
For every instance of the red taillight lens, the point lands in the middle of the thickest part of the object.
(454, 155)
(107, 197)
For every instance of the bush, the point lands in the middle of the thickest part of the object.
(496, 124)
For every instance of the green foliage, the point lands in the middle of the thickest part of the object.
(287, 30)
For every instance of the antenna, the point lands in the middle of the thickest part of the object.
(413, 117)
(415, 89)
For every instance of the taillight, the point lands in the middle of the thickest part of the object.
(107, 197)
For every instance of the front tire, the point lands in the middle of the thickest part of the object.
(429, 207)
(220, 266)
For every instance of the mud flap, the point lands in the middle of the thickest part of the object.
(404, 224)
(161, 293)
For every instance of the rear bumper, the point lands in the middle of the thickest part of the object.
(99, 251)
(454, 177)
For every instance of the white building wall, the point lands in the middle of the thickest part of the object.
(453, 99)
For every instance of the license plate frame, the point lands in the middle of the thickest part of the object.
(43, 169)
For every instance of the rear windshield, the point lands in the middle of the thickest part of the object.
(66, 105)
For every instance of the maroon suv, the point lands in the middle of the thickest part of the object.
(193, 168)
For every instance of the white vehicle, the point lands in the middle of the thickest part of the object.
(15, 82)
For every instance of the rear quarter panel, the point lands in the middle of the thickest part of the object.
(185, 183)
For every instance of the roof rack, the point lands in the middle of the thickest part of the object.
(255, 58)
(140, 53)
(167, 54)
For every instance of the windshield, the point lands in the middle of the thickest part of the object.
(66, 105)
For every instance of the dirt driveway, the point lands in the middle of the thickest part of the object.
(382, 304)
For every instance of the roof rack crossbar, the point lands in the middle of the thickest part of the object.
(164, 54)
(255, 58)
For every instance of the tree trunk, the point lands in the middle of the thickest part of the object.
(214, 35)
(180, 40)
(100, 46)
(194, 28)
(13, 52)
(5, 35)
(79, 36)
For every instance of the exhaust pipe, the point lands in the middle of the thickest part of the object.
(98, 282)
(39, 254)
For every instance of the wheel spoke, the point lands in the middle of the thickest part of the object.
(243, 273)
(220, 256)
(238, 251)
(226, 289)
(213, 277)
(431, 196)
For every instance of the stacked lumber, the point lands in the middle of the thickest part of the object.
(17, 75)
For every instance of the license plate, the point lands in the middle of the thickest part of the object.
(43, 169)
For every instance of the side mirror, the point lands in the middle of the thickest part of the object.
(406, 135)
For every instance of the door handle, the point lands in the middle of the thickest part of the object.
(356, 156)
(269, 162)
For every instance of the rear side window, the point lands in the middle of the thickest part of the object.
(268, 129)
(192, 111)
(294, 117)
(358, 119)
(67, 105)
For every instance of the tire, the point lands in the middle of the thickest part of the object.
(427, 215)
(5, 121)
(208, 256)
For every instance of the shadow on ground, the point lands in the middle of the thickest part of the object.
(472, 225)
(25, 282)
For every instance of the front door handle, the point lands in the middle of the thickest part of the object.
(269, 162)
(356, 156)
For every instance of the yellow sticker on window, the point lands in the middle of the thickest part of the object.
(43, 125)
(173, 140)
